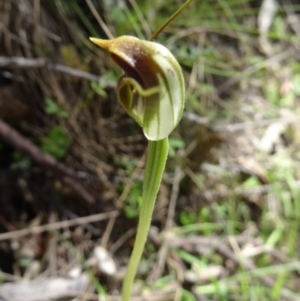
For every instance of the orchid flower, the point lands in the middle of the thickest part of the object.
(152, 87)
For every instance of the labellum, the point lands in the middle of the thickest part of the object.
(152, 87)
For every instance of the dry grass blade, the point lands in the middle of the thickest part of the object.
(11, 136)
(59, 225)
(26, 63)
(99, 19)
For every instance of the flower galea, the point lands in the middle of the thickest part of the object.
(152, 87)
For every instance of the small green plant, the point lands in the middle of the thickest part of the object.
(20, 161)
(175, 144)
(187, 218)
(152, 92)
(107, 78)
(56, 143)
(53, 108)
(133, 201)
(187, 296)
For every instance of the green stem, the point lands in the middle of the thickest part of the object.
(156, 161)
(170, 19)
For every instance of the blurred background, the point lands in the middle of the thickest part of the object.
(227, 218)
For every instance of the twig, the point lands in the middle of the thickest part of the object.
(59, 225)
(71, 215)
(240, 126)
(99, 19)
(211, 195)
(134, 176)
(107, 232)
(15, 139)
(22, 62)
(174, 196)
(141, 17)
(201, 245)
(256, 67)
(214, 195)
(122, 240)
(246, 263)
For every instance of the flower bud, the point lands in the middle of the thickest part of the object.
(152, 87)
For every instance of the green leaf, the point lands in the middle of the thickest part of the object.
(56, 143)
(187, 296)
(99, 88)
(187, 218)
(251, 182)
(175, 144)
(20, 161)
(52, 108)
